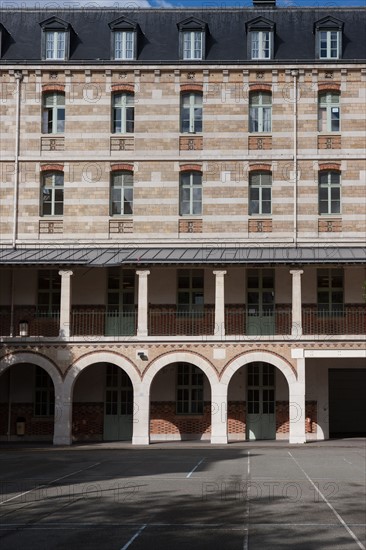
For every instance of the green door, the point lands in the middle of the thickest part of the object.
(118, 409)
(260, 302)
(120, 316)
(261, 418)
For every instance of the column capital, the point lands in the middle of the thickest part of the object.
(296, 271)
(219, 272)
(142, 272)
(65, 272)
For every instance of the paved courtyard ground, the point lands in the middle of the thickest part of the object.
(191, 496)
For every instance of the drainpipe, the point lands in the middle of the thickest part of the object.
(18, 77)
(295, 74)
(9, 405)
(11, 304)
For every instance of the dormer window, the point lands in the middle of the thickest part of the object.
(55, 39)
(192, 43)
(260, 38)
(124, 39)
(328, 32)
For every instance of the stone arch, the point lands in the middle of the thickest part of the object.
(176, 357)
(100, 357)
(259, 356)
(34, 359)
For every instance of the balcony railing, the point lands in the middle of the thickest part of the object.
(39, 322)
(171, 322)
(257, 322)
(103, 323)
(349, 320)
(167, 321)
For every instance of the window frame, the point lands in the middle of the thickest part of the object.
(128, 186)
(257, 112)
(261, 48)
(327, 26)
(43, 387)
(52, 292)
(123, 56)
(53, 188)
(192, 291)
(194, 406)
(330, 307)
(327, 106)
(193, 108)
(330, 187)
(328, 48)
(53, 112)
(261, 186)
(125, 109)
(191, 35)
(191, 186)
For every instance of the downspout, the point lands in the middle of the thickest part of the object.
(18, 78)
(11, 304)
(9, 405)
(295, 73)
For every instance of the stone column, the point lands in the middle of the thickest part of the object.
(297, 405)
(65, 305)
(141, 415)
(296, 329)
(63, 417)
(142, 307)
(219, 413)
(219, 303)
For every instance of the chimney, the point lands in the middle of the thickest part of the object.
(264, 3)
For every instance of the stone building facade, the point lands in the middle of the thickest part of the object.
(182, 224)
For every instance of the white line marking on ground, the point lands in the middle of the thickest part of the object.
(246, 525)
(134, 537)
(49, 483)
(195, 468)
(340, 519)
(348, 462)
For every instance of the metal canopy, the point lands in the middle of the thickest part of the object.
(207, 254)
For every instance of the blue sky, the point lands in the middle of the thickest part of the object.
(123, 4)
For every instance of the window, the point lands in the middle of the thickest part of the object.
(121, 289)
(124, 45)
(329, 112)
(261, 44)
(55, 44)
(192, 36)
(124, 37)
(121, 193)
(123, 113)
(189, 389)
(55, 39)
(260, 193)
(329, 192)
(190, 290)
(52, 194)
(190, 193)
(330, 291)
(44, 399)
(192, 45)
(191, 112)
(329, 44)
(53, 119)
(260, 32)
(328, 33)
(49, 290)
(260, 112)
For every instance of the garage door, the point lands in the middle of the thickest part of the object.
(347, 402)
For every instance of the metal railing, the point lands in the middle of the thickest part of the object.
(254, 322)
(348, 320)
(181, 323)
(103, 323)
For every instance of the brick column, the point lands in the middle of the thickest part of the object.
(142, 307)
(65, 305)
(219, 302)
(296, 329)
